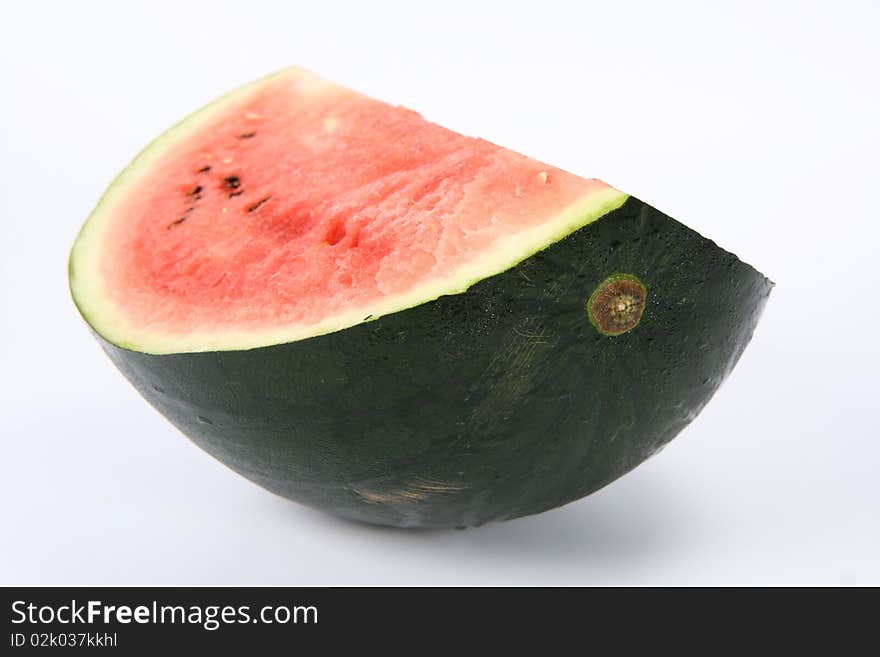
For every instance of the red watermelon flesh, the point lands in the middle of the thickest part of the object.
(295, 206)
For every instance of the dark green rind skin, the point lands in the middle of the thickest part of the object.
(495, 403)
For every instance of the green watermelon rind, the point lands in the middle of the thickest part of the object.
(495, 403)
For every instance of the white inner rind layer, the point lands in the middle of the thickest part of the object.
(110, 321)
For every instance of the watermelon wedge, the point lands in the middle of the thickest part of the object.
(374, 315)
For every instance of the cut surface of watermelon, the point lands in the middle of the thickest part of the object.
(295, 207)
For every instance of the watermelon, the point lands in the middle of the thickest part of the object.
(373, 315)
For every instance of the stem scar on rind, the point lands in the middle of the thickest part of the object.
(617, 304)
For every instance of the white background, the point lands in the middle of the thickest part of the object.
(754, 123)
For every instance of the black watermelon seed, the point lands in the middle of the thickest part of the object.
(258, 204)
